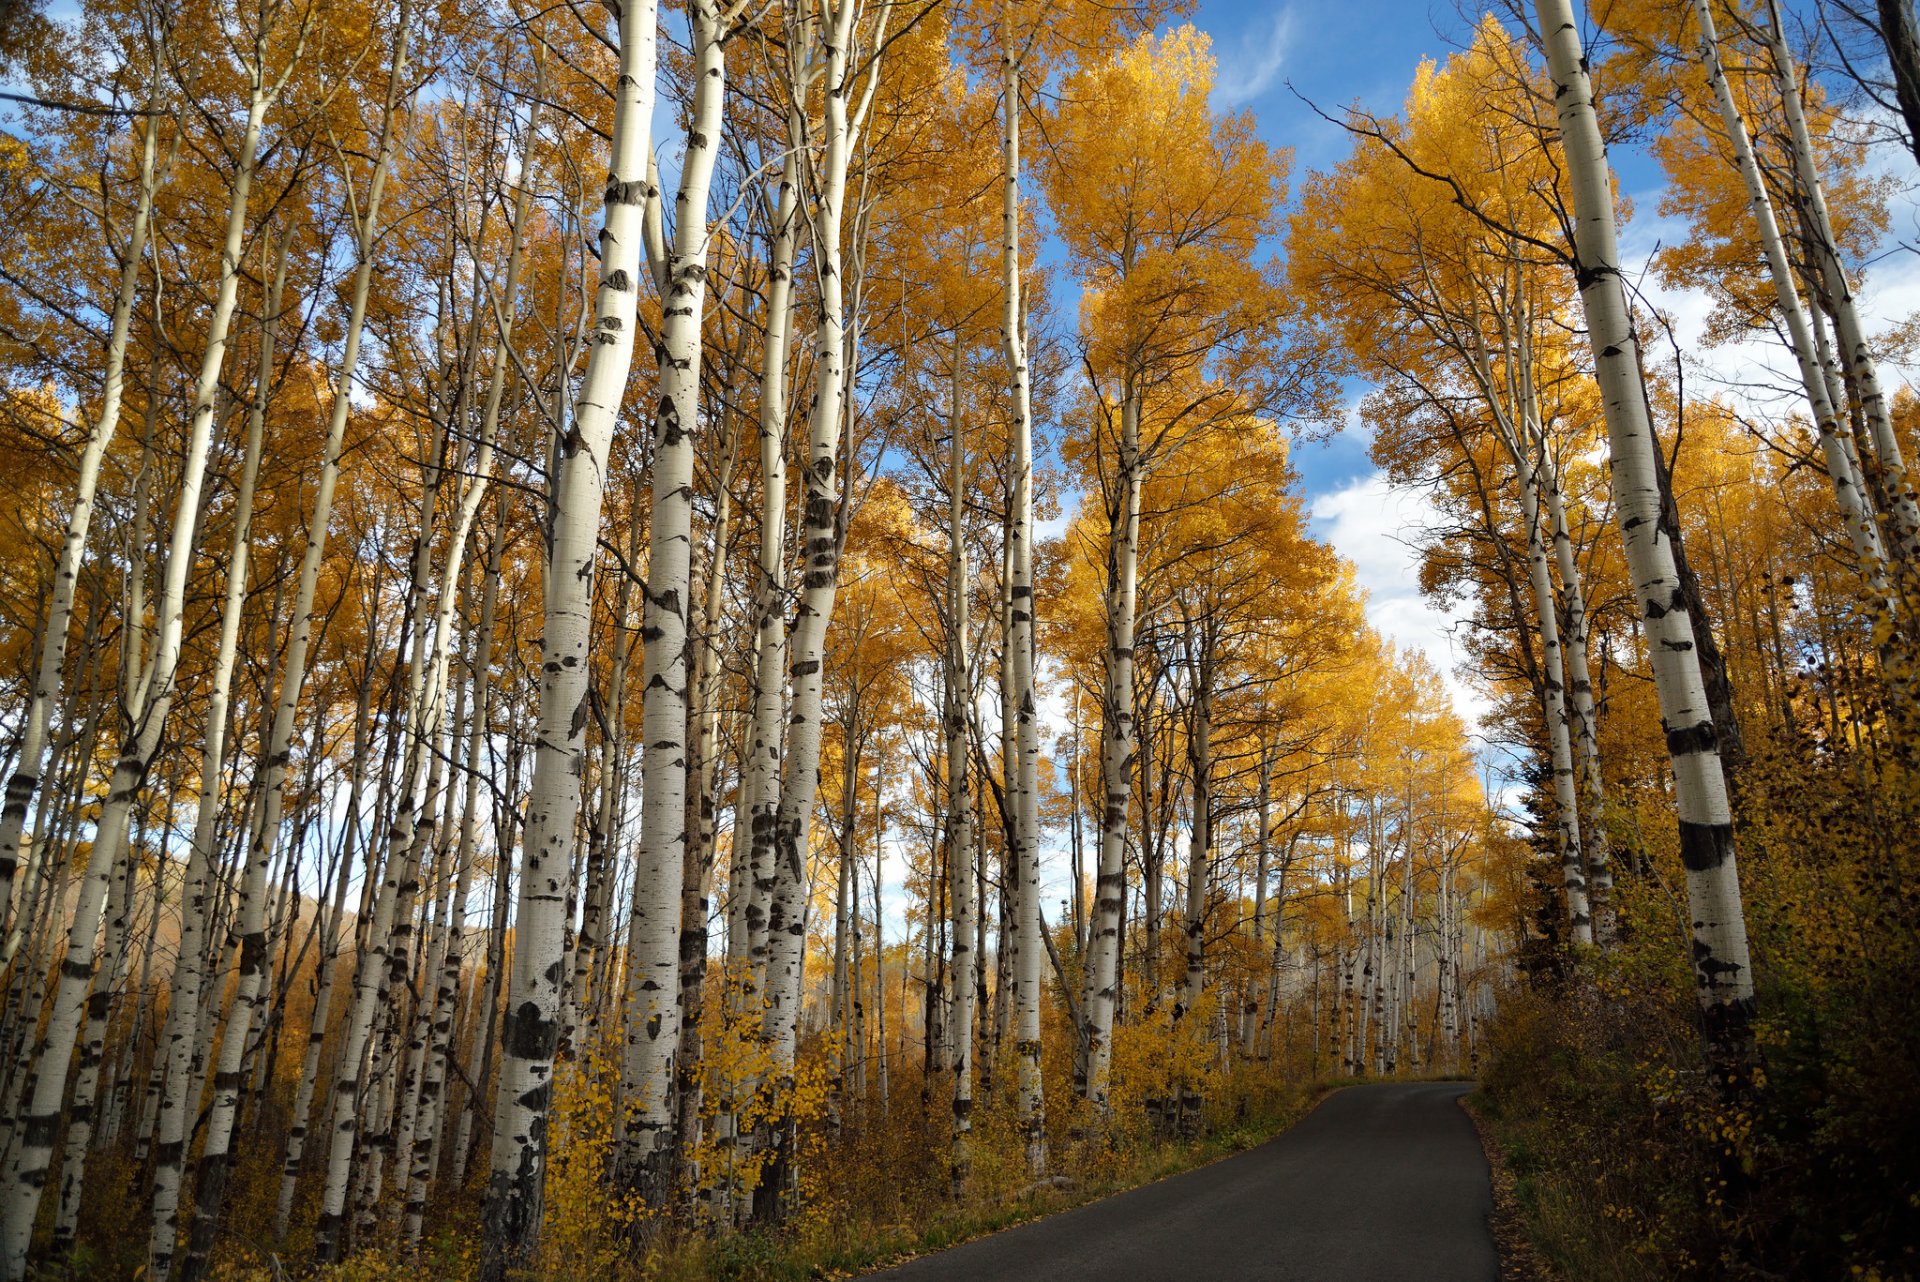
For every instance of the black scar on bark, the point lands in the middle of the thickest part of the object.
(1684, 741)
(527, 1035)
(626, 193)
(1705, 847)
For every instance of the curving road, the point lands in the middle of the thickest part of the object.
(1377, 1184)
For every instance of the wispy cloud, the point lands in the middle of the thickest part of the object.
(1251, 64)
(1378, 527)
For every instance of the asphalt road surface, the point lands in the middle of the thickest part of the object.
(1377, 1184)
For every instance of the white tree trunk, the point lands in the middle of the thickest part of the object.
(1023, 857)
(25, 779)
(1855, 511)
(177, 1048)
(1119, 730)
(652, 1024)
(146, 714)
(961, 854)
(1903, 506)
(1723, 978)
(515, 1189)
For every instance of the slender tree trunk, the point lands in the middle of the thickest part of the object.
(516, 1188)
(750, 897)
(1554, 705)
(146, 715)
(1119, 735)
(653, 951)
(961, 855)
(176, 1048)
(820, 539)
(1902, 515)
(25, 779)
(1723, 979)
(1023, 790)
(1855, 511)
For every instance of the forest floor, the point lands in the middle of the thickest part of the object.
(1378, 1182)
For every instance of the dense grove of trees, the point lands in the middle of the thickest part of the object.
(489, 800)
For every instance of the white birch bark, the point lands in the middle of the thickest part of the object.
(515, 1189)
(25, 779)
(1855, 510)
(177, 1048)
(652, 1022)
(1723, 979)
(146, 715)
(1902, 536)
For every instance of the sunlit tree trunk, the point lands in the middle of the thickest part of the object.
(1023, 788)
(145, 715)
(652, 1027)
(1119, 744)
(1723, 979)
(828, 45)
(751, 888)
(1855, 511)
(177, 1048)
(516, 1186)
(1902, 536)
(25, 779)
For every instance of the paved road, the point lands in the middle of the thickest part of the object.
(1377, 1184)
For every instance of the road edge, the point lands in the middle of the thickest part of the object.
(1519, 1260)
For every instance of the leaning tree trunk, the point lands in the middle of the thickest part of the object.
(177, 1050)
(1855, 511)
(146, 714)
(515, 1188)
(1902, 517)
(1723, 978)
(25, 779)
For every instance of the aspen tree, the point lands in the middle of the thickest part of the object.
(1855, 509)
(25, 779)
(152, 696)
(653, 961)
(371, 963)
(176, 1046)
(835, 51)
(515, 1188)
(1856, 355)
(1723, 977)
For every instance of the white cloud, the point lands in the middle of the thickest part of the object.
(1379, 528)
(1252, 64)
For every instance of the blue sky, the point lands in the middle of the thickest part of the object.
(1367, 51)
